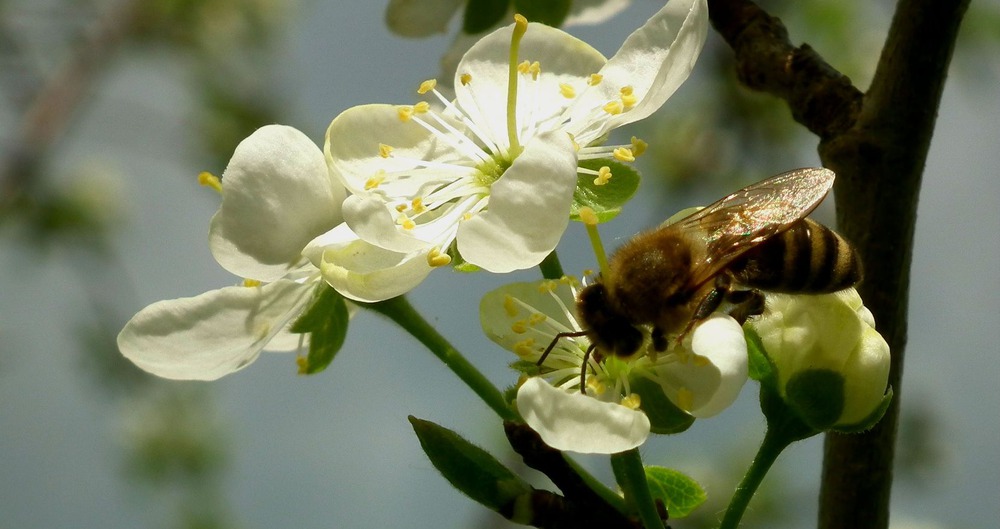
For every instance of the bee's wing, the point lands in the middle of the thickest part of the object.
(740, 221)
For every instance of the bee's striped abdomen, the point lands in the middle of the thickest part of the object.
(807, 257)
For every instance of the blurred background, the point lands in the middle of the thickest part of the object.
(110, 109)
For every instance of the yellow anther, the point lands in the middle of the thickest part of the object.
(536, 318)
(404, 112)
(623, 154)
(418, 205)
(568, 280)
(520, 23)
(588, 216)
(519, 326)
(421, 108)
(427, 86)
(401, 207)
(547, 286)
(588, 272)
(626, 90)
(685, 399)
(466, 216)
(510, 306)
(436, 258)
(631, 401)
(595, 387)
(603, 175)
(210, 180)
(303, 363)
(525, 348)
(251, 283)
(638, 147)
(405, 222)
(595, 79)
(384, 150)
(567, 90)
(465, 78)
(524, 66)
(614, 107)
(534, 70)
(629, 101)
(375, 180)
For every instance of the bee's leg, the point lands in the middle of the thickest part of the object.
(568, 334)
(708, 304)
(659, 339)
(747, 303)
(583, 368)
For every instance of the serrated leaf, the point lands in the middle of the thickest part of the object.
(481, 15)
(470, 469)
(606, 200)
(326, 322)
(550, 12)
(664, 416)
(680, 494)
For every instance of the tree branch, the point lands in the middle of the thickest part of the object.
(877, 145)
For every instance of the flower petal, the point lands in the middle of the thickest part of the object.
(720, 339)
(352, 151)
(654, 61)
(211, 335)
(502, 309)
(562, 57)
(277, 195)
(362, 271)
(528, 210)
(420, 18)
(568, 420)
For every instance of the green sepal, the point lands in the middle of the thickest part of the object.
(326, 322)
(664, 416)
(481, 15)
(760, 366)
(470, 469)
(782, 420)
(680, 494)
(817, 396)
(868, 422)
(550, 12)
(606, 200)
(531, 369)
(458, 263)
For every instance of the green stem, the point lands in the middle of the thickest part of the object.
(632, 478)
(551, 267)
(400, 311)
(770, 448)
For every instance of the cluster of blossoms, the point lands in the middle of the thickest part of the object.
(487, 177)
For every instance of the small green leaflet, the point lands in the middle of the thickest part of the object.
(680, 494)
(606, 200)
(326, 322)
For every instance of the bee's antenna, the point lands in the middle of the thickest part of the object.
(567, 334)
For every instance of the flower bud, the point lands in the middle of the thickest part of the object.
(832, 365)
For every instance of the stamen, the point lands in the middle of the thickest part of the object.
(421, 108)
(435, 258)
(628, 98)
(510, 306)
(623, 154)
(631, 401)
(465, 79)
(567, 90)
(614, 107)
(595, 387)
(535, 69)
(405, 222)
(303, 364)
(525, 348)
(427, 86)
(519, 327)
(524, 67)
(404, 112)
(537, 318)
(384, 150)
(251, 283)
(638, 147)
(375, 180)
(602, 177)
(208, 179)
(595, 79)
(400, 207)
(418, 205)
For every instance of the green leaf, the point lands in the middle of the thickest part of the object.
(817, 396)
(664, 417)
(760, 367)
(326, 322)
(679, 493)
(550, 12)
(606, 200)
(470, 469)
(481, 15)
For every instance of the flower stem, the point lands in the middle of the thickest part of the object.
(551, 267)
(400, 311)
(632, 478)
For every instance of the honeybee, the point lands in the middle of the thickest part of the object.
(671, 277)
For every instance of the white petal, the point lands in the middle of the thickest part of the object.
(362, 271)
(563, 59)
(866, 376)
(420, 18)
(721, 340)
(277, 195)
(370, 219)
(498, 312)
(528, 210)
(654, 61)
(352, 151)
(568, 420)
(213, 334)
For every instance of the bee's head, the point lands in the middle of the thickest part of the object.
(611, 330)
